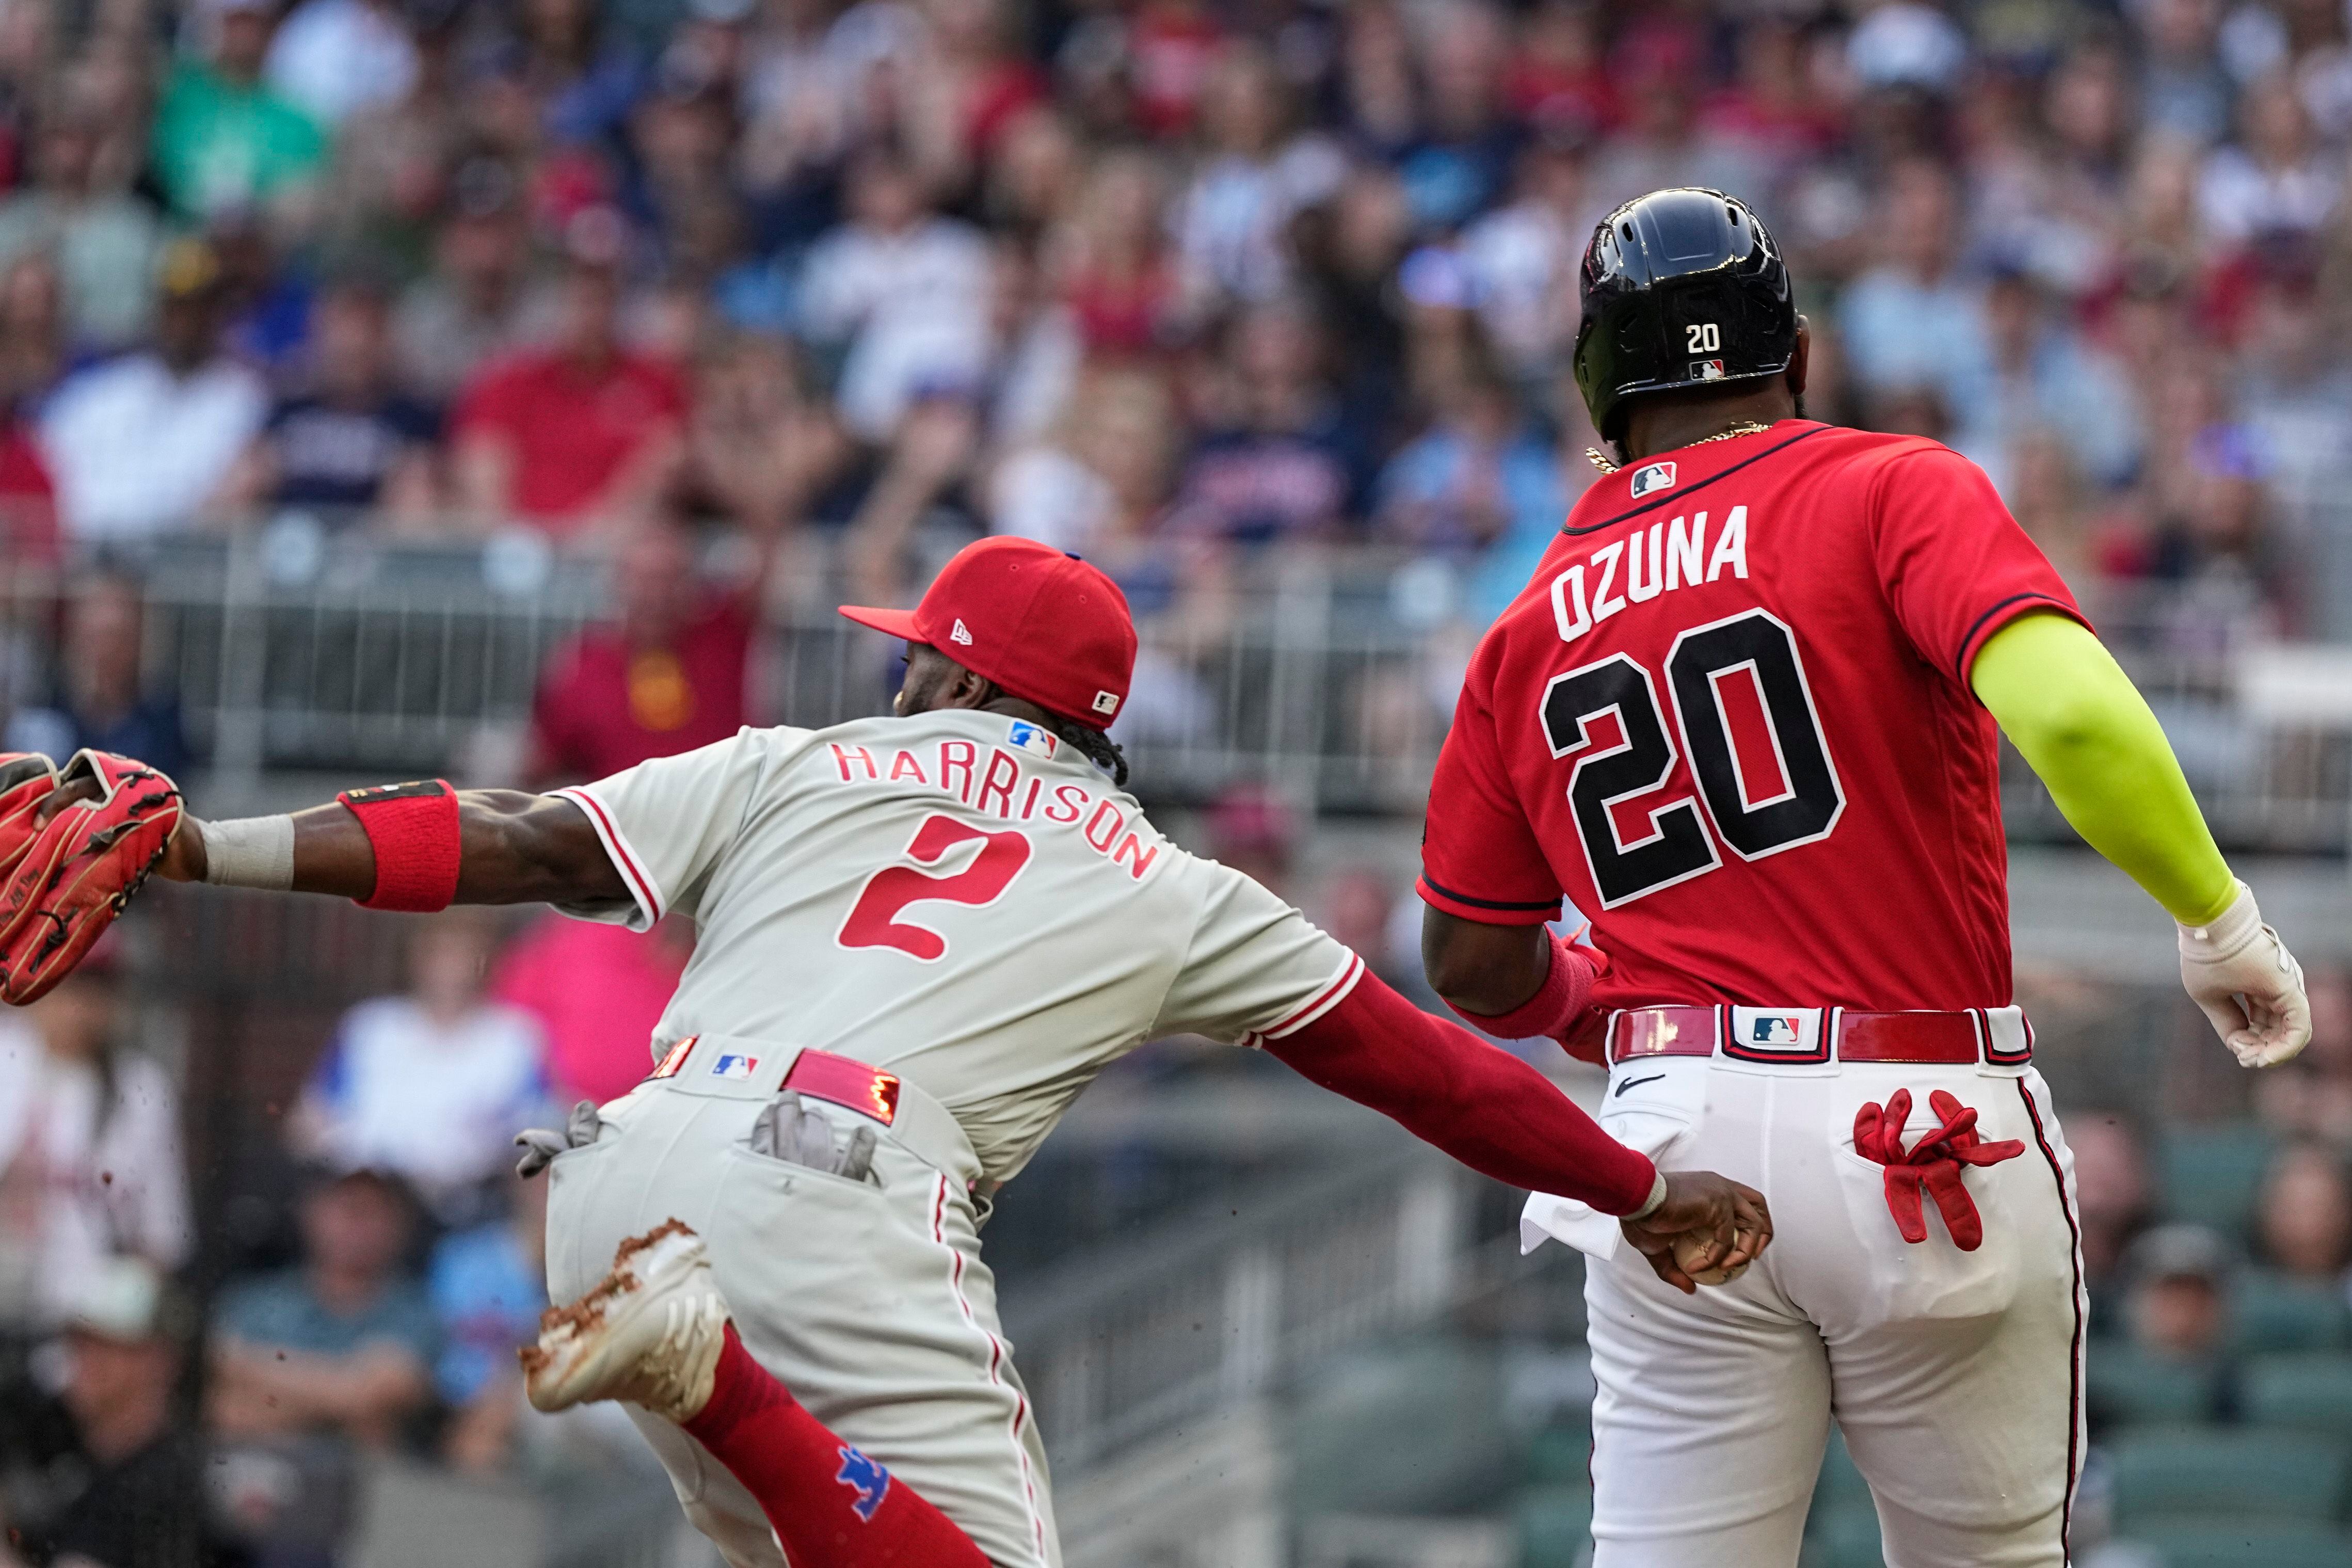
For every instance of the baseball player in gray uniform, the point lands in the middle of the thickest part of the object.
(921, 936)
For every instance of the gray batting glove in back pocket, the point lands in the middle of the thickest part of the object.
(789, 1130)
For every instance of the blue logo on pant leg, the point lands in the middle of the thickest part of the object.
(869, 1481)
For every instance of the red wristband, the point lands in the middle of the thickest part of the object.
(412, 828)
(1554, 1009)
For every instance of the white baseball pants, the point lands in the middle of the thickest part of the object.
(868, 1300)
(1957, 1377)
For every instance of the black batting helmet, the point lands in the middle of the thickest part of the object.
(1681, 288)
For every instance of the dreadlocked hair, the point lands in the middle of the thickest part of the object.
(1093, 744)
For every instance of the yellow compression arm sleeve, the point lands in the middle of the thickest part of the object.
(2080, 723)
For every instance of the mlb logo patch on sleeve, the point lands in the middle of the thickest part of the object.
(1034, 738)
(1651, 477)
(734, 1067)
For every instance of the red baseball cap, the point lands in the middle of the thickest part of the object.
(1039, 622)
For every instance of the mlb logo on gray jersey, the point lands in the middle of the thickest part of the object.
(1034, 738)
(735, 1067)
(1651, 477)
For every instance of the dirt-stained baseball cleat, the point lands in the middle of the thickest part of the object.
(649, 1331)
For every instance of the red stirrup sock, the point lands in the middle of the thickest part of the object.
(832, 1507)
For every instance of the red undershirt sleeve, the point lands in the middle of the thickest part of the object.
(1478, 1102)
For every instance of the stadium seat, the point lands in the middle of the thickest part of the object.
(2310, 1392)
(1840, 1488)
(2227, 1475)
(2128, 1386)
(1561, 1454)
(2253, 1544)
(1436, 1403)
(1844, 1538)
(2210, 1175)
(1555, 1526)
(2270, 1311)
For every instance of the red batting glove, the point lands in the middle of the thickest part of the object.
(1932, 1166)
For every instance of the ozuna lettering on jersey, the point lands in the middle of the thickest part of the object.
(1732, 682)
(1668, 555)
(1003, 788)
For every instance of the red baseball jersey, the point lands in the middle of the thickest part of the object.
(1729, 721)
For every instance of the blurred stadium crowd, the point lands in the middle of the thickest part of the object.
(740, 303)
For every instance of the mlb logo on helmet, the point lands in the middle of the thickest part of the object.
(1706, 369)
(735, 1067)
(1651, 477)
(1774, 1031)
(1034, 738)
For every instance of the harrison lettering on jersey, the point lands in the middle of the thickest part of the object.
(1006, 788)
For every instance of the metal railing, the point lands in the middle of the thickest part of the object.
(1326, 673)
(1213, 1310)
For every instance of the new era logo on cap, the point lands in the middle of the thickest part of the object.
(1039, 622)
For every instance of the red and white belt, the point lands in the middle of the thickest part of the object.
(1991, 1036)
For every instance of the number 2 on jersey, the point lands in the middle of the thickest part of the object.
(1704, 660)
(874, 920)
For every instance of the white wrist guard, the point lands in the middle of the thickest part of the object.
(1656, 1201)
(251, 852)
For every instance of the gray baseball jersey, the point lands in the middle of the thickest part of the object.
(958, 897)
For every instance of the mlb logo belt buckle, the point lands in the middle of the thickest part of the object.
(853, 1085)
(1784, 1034)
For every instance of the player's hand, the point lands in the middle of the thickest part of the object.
(1734, 1221)
(2247, 983)
(184, 857)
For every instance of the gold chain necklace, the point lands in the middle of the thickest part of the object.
(1745, 427)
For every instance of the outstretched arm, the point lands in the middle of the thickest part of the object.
(512, 848)
(2083, 727)
(1500, 1117)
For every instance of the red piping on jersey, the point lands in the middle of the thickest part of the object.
(1323, 1001)
(2075, 1350)
(1670, 496)
(996, 1357)
(616, 846)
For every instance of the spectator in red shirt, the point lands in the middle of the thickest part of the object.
(666, 677)
(578, 435)
(597, 990)
(28, 498)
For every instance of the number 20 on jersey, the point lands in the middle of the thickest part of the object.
(1741, 702)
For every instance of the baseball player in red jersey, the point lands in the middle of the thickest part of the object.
(1744, 718)
(920, 937)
